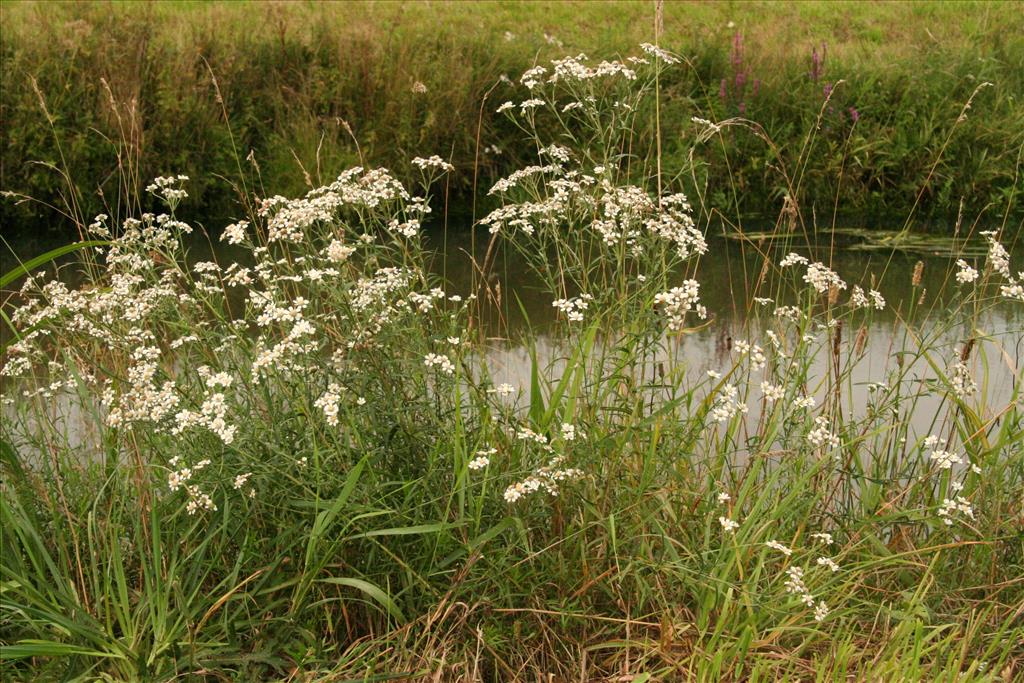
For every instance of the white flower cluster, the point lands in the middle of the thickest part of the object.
(818, 275)
(960, 379)
(775, 545)
(950, 507)
(791, 313)
(999, 262)
(755, 353)
(179, 478)
(514, 180)
(945, 459)
(659, 53)
(277, 318)
(432, 162)
(440, 361)
(998, 257)
(804, 403)
(965, 273)
(212, 415)
(329, 402)
(338, 251)
(821, 435)
(823, 278)
(235, 233)
(503, 389)
(142, 398)
(727, 404)
(169, 189)
(679, 301)
(772, 392)
(859, 300)
(292, 220)
(570, 433)
(482, 459)
(575, 69)
(546, 478)
(795, 585)
(409, 228)
(828, 562)
(573, 308)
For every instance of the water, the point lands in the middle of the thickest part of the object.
(728, 273)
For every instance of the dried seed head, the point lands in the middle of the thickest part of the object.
(862, 340)
(918, 271)
(965, 352)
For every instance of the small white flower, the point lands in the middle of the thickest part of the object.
(821, 435)
(728, 525)
(568, 432)
(503, 389)
(828, 562)
(966, 273)
(443, 362)
(234, 233)
(775, 545)
(945, 459)
(772, 392)
(825, 538)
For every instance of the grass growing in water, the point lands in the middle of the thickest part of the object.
(298, 463)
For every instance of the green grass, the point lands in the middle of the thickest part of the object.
(130, 93)
(265, 468)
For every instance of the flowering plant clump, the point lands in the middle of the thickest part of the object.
(309, 449)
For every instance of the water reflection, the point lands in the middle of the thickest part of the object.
(729, 274)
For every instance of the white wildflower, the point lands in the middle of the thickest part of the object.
(234, 233)
(679, 301)
(821, 435)
(965, 272)
(828, 562)
(329, 403)
(441, 361)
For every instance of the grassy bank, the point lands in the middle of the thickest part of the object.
(299, 464)
(131, 91)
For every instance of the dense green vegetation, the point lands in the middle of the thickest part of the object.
(276, 97)
(296, 460)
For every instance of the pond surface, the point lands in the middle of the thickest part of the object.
(730, 270)
(727, 273)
